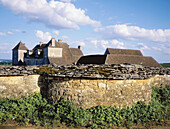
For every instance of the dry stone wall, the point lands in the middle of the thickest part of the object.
(85, 85)
(86, 93)
(112, 72)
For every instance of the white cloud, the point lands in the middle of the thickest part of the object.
(157, 48)
(65, 37)
(2, 34)
(67, 1)
(104, 43)
(54, 14)
(94, 41)
(142, 46)
(43, 36)
(9, 32)
(117, 43)
(81, 43)
(123, 31)
(56, 32)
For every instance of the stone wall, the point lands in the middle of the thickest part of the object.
(86, 93)
(85, 85)
(17, 86)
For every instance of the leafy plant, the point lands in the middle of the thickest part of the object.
(36, 110)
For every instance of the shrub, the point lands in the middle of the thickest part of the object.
(36, 110)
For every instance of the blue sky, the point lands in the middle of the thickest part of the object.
(93, 24)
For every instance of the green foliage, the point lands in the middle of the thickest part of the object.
(38, 111)
(6, 63)
(165, 65)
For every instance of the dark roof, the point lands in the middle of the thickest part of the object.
(123, 51)
(39, 47)
(118, 59)
(20, 46)
(132, 59)
(92, 59)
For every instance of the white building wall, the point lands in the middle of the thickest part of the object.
(21, 55)
(54, 52)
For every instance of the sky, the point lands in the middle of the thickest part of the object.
(94, 24)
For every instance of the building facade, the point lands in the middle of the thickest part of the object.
(53, 52)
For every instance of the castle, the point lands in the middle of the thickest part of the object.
(59, 53)
(52, 52)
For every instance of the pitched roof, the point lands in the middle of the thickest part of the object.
(20, 46)
(39, 47)
(57, 61)
(118, 59)
(92, 59)
(123, 51)
(132, 59)
(76, 51)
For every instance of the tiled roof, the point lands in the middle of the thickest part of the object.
(132, 59)
(76, 51)
(123, 51)
(119, 59)
(57, 61)
(20, 46)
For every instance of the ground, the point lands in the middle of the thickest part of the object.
(59, 126)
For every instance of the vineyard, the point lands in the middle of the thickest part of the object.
(36, 110)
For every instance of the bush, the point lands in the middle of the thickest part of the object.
(38, 111)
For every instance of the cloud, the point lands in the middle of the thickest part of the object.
(157, 48)
(5, 47)
(102, 44)
(43, 36)
(67, 1)
(142, 46)
(123, 31)
(54, 14)
(2, 34)
(117, 43)
(162, 48)
(56, 32)
(81, 43)
(9, 32)
(65, 37)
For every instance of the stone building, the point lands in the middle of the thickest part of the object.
(52, 52)
(119, 56)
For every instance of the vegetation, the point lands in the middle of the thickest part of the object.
(166, 65)
(37, 110)
(8, 63)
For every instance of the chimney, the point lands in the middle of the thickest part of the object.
(53, 41)
(60, 40)
(79, 47)
(41, 43)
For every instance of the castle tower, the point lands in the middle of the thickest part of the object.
(18, 54)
